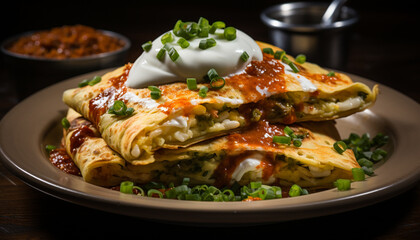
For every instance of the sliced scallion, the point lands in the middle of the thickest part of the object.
(183, 43)
(173, 54)
(167, 38)
(282, 139)
(301, 58)
(340, 147)
(279, 55)
(358, 174)
(342, 184)
(293, 67)
(65, 123)
(192, 83)
(147, 46)
(203, 91)
(126, 187)
(244, 56)
(268, 51)
(216, 25)
(161, 54)
(229, 33)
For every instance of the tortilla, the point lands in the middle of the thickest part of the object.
(245, 156)
(266, 89)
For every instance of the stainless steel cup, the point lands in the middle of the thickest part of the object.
(296, 27)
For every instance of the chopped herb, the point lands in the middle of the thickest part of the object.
(147, 46)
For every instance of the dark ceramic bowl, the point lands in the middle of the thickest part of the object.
(29, 73)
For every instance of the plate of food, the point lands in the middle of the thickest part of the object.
(209, 126)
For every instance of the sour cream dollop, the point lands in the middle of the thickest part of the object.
(193, 62)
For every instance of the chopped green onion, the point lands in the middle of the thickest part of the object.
(49, 148)
(90, 82)
(212, 73)
(279, 55)
(207, 43)
(173, 54)
(217, 83)
(154, 192)
(340, 147)
(183, 43)
(161, 54)
(342, 184)
(286, 60)
(191, 83)
(331, 74)
(155, 92)
(230, 33)
(167, 38)
(155, 95)
(295, 190)
(358, 174)
(268, 50)
(297, 142)
(177, 27)
(126, 187)
(119, 108)
(244, 56)
(65, 123)
(203, 22)
(301, 58)
(282, 139)
(364, 162)
(293, 67)
(288, 130)
(147, 46)
(203, 91)
(95, 80)
(216, 25)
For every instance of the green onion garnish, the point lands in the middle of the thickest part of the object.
(268, 51)
(297, 142)
(217, 83)
(296, 190)
(300, 58)
(293, 67)
(358, 174)
(167, 38)
(286, 60)
(49, 148)
(216, 25)
(340, 147)
(342, 184)
(230, 33)
(279, 55)
(288, 130)
(183, 43)
(212, 73)
(155, 92)
(173, 54)
(282, 139)
(119, 108)
(331, 74)
(90, 82)
(191, 83)
(147, 46)
(126, 187)
(65, 123)
(161, 54)
(244, 56)
(207, 43)
(203, 91)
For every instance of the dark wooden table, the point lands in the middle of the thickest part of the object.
(385, 48)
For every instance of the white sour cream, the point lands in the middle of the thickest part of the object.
(306, 84)
(251, 163)
(193, 62)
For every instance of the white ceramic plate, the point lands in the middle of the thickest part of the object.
(35, 122)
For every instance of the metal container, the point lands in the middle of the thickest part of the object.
(297, 28)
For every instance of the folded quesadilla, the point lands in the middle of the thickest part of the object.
(245, 156)
(179, 117)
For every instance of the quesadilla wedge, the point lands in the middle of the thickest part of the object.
(179, 117)
(243, 157)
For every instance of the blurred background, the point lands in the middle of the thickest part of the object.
(384, 47)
